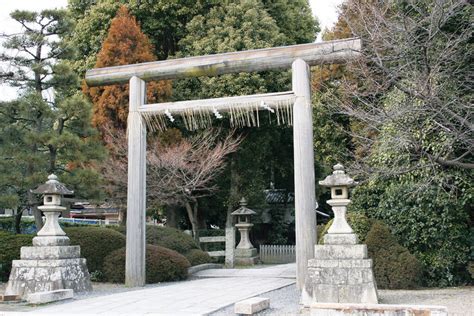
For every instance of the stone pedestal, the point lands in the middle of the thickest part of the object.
(48, 268)
(341, 272)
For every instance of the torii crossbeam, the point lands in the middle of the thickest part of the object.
(298, 57)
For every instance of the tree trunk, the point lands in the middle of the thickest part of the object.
(192, 215)
(18, 221)
(38, 215)
(171, 216)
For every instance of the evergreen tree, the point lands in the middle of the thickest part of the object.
(164, 22)
(266, 153)
(47, 129)
(125, 44)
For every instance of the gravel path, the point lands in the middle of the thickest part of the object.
(459, 301)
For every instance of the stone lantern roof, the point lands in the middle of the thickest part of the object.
(243, 210)
(338, 178)
(52, 186)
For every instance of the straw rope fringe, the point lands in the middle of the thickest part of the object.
(239, 115)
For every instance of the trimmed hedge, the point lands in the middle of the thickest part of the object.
(167, 237)
(197, 256)
(162, 265)
(96, 244)
(10, 245)
(394, 266)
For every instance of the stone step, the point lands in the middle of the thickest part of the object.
(252, 305)
(340, 252)
(49, 296)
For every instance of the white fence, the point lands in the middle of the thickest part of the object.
(277, 253)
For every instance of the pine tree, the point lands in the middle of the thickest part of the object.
(125, 44)
(47, 129)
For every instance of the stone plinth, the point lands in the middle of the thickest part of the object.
(246, 256)
(66, 270)
(340, 273)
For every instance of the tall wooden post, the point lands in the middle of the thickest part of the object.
(305, 200)
(136, 194)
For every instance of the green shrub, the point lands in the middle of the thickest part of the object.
(432, 223)
(167, 237)
(162, 265)
(197, 256)
(10, 245)
(359, 222)
(96, 244)
(394, 266)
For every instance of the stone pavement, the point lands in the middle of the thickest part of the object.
(195, 297)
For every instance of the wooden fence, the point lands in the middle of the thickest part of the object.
(277, 253)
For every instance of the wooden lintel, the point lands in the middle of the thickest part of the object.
(220, 104)
(331, 52)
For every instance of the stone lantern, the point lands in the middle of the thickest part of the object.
(51, 234)
(341, 271)
(245, 253)
(51, 264)
(339, 183)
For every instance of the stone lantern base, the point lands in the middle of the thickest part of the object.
(341, 273)
(48, 268)
(245, 256)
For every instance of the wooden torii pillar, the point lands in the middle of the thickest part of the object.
(298, 57)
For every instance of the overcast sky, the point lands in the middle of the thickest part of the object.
(325, 10)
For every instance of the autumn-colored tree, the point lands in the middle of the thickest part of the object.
(125, 44)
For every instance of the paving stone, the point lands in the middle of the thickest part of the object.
(199, 296)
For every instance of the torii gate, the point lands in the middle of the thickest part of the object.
(298, 57)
